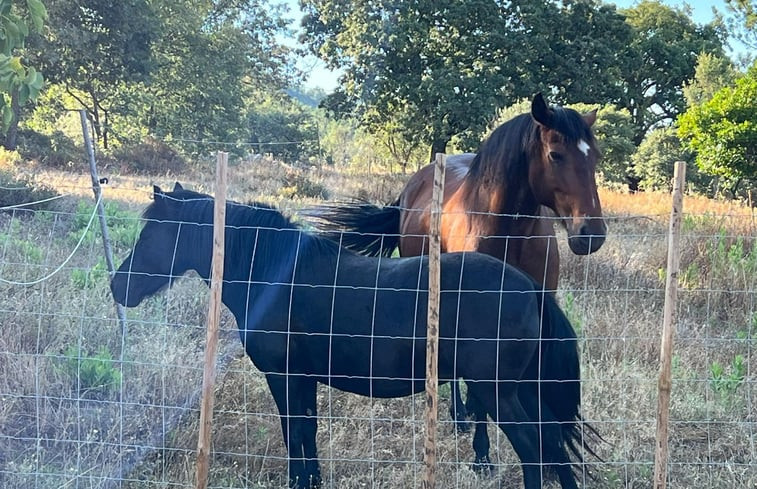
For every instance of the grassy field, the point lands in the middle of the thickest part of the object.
(85, 403)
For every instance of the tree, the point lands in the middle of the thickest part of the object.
(212, 60)
(666, 42)
(712, 73)
(723, 131)
(93, 47)
(441, 69)
(588, 55)
(655, 159)
(743, 22)
(283, 127)
(18, 83)
(434, 69)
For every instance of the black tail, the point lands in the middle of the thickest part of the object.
(358, 225)
(561, 389)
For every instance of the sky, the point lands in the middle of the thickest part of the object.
(319, 76)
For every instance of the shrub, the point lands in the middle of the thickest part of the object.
(151, 156)
(15, 190)
(96, 372)
(296, 184)
(56, 150)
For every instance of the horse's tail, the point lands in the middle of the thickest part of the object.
(358, 225)
(561, 389)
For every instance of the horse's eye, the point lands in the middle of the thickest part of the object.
(555, 156)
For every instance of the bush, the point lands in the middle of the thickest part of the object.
(16, 190)
(92, 373)
(653, 163)
(53, 151)
(296, 184)
(151, 156)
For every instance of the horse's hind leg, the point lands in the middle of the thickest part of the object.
(554, 453)
(503, 405)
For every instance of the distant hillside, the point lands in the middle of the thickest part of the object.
(310, 97)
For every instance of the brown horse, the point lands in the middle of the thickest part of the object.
(495, 202)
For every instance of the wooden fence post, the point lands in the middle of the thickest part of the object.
(214, 317)
(668, 328)
(432, 332)
(120, 312)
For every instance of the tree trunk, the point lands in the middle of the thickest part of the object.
(105, 130)
(439, 145)
(11, 137)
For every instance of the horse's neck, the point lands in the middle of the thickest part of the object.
(511, 204)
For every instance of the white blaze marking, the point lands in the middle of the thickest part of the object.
(583, 146)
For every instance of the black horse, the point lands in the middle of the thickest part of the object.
(309, 311)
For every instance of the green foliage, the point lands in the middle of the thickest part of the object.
(18, 82)
(723, 130)
(213, 62)
(435, 70)
(346, 145)
(92, 372)
(55, 150)
(123, 226)
(21, 190)
(289, 128)
(86, 278)
(666, 43)
(732, 258)
(712, 74)
(726, 381)
(92, 47)
(572, 313)
(743, 22)
(654, 161)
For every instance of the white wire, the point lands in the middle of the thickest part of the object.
(65, 262)
(27, 204)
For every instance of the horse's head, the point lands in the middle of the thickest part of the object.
(152, 265)
(561, 175)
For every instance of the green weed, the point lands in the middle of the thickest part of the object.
(92, 372)
(85, 278)
(727, 381)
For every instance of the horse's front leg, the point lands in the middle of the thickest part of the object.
(296, 400)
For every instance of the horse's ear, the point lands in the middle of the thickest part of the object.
(591, 117)
(177, 186)
(540, 111)
(157, 193)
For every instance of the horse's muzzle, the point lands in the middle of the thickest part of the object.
(588, 239)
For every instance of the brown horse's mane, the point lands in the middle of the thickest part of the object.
(503, 158)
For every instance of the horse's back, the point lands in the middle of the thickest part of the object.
(415, 201)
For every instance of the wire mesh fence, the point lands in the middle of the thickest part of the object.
(86, 404)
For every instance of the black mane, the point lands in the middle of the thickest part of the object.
(246, 225)
(509, 148)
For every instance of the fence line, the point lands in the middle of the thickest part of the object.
(620, 352)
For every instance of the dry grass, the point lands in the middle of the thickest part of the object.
(55, 434)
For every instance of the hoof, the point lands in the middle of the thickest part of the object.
(463, 425)
(483, 466)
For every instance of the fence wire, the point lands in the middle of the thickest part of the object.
(72, 414)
